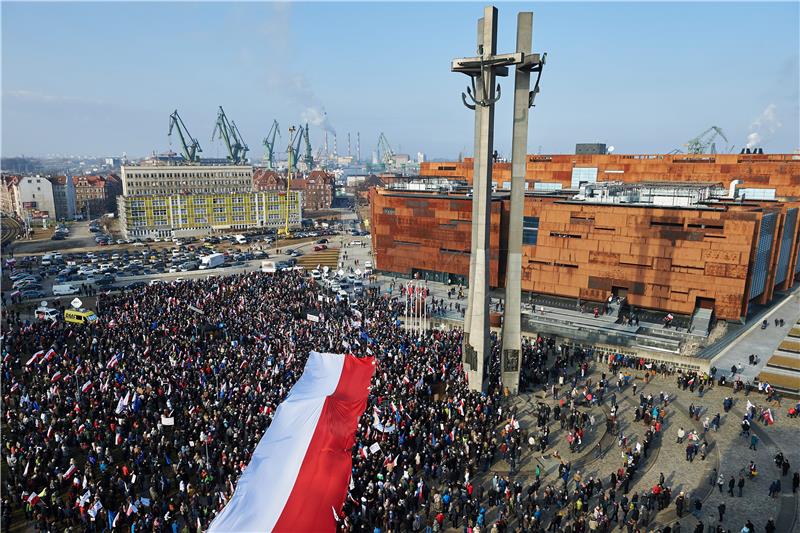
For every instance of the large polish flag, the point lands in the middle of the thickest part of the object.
(301, 467)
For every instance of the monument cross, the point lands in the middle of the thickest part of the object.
(481, 96)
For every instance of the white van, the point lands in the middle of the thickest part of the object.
(268, 267)
(240, 239)
(64, 289)
(46, 313)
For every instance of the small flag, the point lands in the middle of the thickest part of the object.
(114, 361)
(50, 354)
(95, 509)
(86, 387)
(34, 357)
(55, 377)
(70, 471)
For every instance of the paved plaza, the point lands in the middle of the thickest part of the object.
(728, 451)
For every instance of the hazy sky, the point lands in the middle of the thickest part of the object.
(102, 78)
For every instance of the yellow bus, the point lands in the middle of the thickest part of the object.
(79, 316)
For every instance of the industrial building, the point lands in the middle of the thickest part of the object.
(668, 246)
(188, 215)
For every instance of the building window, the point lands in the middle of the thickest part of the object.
(530, 230)
(388, 211)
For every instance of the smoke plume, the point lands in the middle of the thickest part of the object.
(313, 112)
(318, 117)
(764, 126)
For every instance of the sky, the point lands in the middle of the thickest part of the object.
(102, 78)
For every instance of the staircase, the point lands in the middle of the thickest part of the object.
(701, 321)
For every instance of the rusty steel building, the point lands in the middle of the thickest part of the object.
(757, 176)
(664, 246)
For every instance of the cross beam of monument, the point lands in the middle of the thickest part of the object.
(482, 71)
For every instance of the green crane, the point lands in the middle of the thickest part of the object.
(294, 147)
(269, 144)
(387, 154)
(309, 158)
(190, 145)
(704, 142)
(237, 149)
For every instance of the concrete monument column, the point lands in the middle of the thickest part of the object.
(512, 332)
(474, 221)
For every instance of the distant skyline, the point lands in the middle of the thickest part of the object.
(102, 78)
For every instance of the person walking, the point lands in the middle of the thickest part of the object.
(720, 483)
(754, 442)
(731, 484)
(740, 484)
(721, 509)
(680, 503)
(795, 481)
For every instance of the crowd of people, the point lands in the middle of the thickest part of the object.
(145, 419)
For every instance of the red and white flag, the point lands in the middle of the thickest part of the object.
(768, 417)
(114, 361)
(34, 357)
(55, 377)
(70, 471)
(301, 467)
(86, 387)
(50, 354)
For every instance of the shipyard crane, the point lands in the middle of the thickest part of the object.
(292, 152)
(269, 144)
(387, 154)
(309, 158)
(227, 131)
(189, 145)
(705, 141)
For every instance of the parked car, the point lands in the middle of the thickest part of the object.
(32, 293)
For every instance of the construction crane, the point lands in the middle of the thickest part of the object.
(269, 144)
(227, 130)
(292, 152)
(190, 145)
(387, 154)
(309, 158)
(704, 141)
